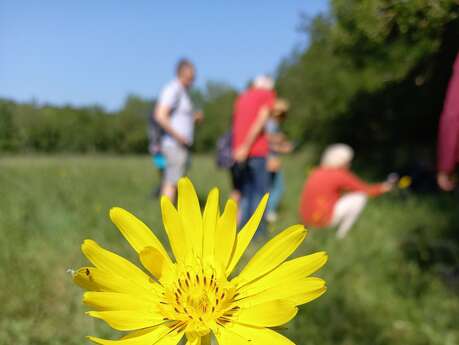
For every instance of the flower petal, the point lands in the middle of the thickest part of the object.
(286, 274)
(245, 235)
(302, 298)
(193, 340)
(174, 229)
(135, 231)
(160, 335)
(190, 212)
(269, 314)
(209, 223)
(237, 334)
(112, 263)
(196, 339)
(116, 301)
(310, 288)
(225, 234)
(82, 278)
(137, 333)
(154, 262)
(273, 253)
(129, 320)
(99, 280)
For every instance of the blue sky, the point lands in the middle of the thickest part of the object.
(97, 52)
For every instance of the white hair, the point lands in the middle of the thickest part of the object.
(263, 82)
(337, 156)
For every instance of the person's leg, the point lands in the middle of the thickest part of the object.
(158, 162)
(275, 195)
(347, 211)
(260, 185)
(168, 189)
(176, 159)
(245, 180)
(235, 194)
(261, 179)
(156, 193)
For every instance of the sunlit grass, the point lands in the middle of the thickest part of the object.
(377, 293)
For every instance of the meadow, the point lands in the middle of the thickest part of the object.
(393, 280)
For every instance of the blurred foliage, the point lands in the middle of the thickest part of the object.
(217, 107)
(30, 127)
(374, 75)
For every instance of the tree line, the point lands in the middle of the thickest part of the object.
(32, 127)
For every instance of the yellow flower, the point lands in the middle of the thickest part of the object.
(195, 296)
(404, 182)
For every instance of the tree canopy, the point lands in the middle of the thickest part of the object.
(374, 75)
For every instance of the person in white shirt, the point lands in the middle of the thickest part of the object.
(175, 114)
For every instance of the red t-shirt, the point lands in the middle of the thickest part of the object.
(246, 110)
(323, 189)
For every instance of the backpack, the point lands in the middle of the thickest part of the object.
(224, 158)
(155, 134)
(155, 131)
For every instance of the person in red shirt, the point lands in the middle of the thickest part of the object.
(333, 195)
(448, 134)
(250, 144)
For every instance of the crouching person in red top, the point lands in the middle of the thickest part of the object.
(333, 195)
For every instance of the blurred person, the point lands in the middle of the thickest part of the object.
(175, 114)
(333, 195)
(448, 134)
(224, 160)
(236, 170)
(155, 133)
(159, 162)
(250, 144)
(278, 144)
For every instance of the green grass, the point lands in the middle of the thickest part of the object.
(388, 280)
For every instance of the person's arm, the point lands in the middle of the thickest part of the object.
(448, 134)
(168, 99)
(198, 117)
(351, 182)
(278, 143)
(257, 127)
(162, 116)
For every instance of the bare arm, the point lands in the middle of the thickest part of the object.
(198, 117)
(283, 148)
(162, 116)
(279, 143)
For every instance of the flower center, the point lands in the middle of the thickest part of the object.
(199, 300)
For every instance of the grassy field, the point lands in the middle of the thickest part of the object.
(391, 281)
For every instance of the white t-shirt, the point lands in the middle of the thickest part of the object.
(176, 97)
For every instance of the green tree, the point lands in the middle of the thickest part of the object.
(374, 76)
(218, 101)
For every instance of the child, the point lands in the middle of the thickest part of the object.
(278, 144)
